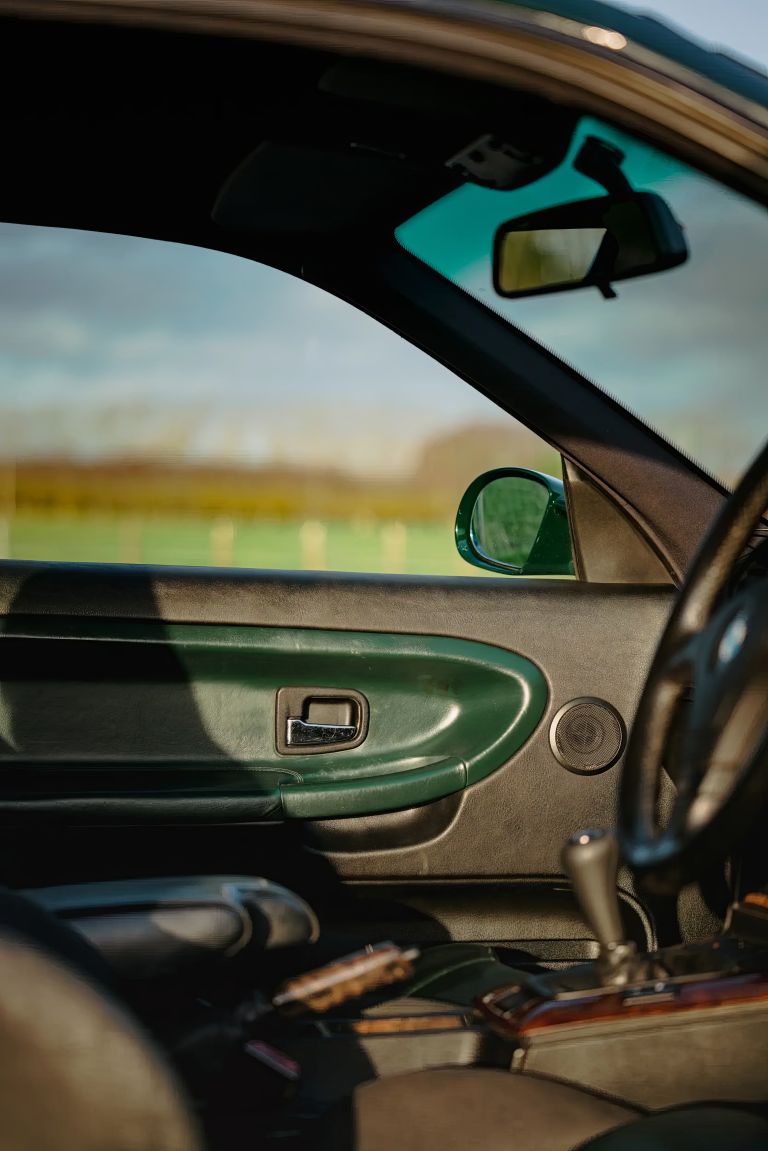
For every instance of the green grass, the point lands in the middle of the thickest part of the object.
(419, 549)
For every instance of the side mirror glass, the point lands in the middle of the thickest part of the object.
(515, 521)
(589, 243)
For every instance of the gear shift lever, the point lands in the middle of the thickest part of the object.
(591, 859)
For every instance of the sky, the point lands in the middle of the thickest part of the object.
(122, 346)
(117, 346)
(738, 26)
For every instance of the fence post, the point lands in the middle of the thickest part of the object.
(394, 547)
(130, 533)
(313, 537)
(222, 543)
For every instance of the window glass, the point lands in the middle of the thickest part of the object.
(166, 404)
(685, 348)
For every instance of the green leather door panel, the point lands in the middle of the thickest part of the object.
(122, 711)
(137, 723)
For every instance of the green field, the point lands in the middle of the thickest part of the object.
(419, 549)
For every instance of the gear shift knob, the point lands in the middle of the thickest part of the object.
(591, 859)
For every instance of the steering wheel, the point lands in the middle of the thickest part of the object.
(713, 653)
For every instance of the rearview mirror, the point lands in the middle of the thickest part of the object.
(515, 521)
(589, 243)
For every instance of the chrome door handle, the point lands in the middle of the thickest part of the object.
(299, 733)
(319, 720)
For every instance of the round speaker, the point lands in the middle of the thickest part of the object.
(587, 735)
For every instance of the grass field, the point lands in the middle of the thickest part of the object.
(419, 549)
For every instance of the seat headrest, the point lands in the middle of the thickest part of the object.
(76, 1071)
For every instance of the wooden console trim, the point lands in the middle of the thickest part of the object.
(402, 1024)
(666, 999)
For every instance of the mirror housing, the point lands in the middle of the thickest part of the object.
(587, 243)
(514, 521)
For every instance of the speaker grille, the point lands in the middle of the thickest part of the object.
(587, 735)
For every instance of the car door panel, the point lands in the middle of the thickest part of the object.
(102, 710)
(584, 639)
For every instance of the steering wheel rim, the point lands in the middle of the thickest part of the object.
(719, 648)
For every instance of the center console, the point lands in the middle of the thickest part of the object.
(682, 1024)
(678, 1025)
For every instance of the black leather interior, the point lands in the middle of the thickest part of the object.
(459, 973)
(146, 928)
(77, 1073)
(33, 924)
(497, 1111)
(65, 1040)
(689, 1129)
(76, 1070)
(455, 1110)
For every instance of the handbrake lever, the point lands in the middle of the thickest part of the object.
(378, 965)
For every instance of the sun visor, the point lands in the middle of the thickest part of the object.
(371, 148)
(291, 187)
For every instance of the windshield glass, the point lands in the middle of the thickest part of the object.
(685, 349)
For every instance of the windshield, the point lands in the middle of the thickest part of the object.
(685, 349)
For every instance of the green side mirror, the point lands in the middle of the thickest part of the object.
(514, 520)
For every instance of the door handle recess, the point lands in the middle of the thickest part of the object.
(299, 733)
(309, 720)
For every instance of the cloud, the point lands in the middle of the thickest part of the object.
(127, 346)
